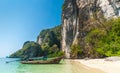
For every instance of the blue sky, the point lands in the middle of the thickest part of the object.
(22, 20)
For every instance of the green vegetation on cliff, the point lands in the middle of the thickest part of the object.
(102, 41)
(105, 41)
(51, 41)
(50, 45)
(76, 51)
(50, 37)
(29, 49)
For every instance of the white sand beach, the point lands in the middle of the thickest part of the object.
(106, 66)
(77, 67)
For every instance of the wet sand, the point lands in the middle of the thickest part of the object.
(77, 67)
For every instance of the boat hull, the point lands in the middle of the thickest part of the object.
(52, 61)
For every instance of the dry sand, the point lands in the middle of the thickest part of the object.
(77, 67)
(106, 66)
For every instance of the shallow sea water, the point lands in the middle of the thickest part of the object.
(16, 67)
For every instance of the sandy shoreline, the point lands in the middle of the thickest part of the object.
(106, 66)
(77, 67)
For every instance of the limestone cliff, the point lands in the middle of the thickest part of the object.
(50, 37)
(80, 16)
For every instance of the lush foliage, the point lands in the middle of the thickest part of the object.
(76, 51)
(29, 49)
(53, 51)
(105, 41)
(50, 45)
(51, 37)
(51, 41)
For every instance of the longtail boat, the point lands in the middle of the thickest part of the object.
(55, 60)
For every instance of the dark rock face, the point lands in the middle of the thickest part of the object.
(81, 16)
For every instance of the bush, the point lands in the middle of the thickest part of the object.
(75, 51)
(106, 40)
(57, 54)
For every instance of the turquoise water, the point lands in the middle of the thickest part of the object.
(66, 66)
(16, 67)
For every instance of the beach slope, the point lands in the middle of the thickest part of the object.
(102, 64)
(77, 67)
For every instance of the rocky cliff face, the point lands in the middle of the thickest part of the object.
(50, 37)
(81, 16)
